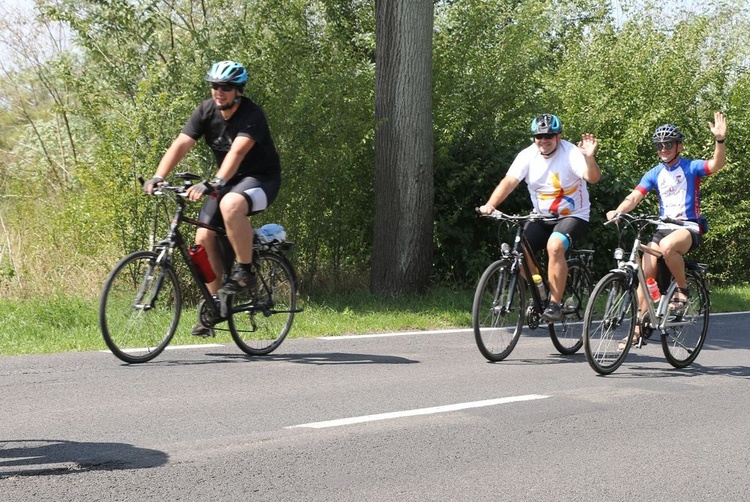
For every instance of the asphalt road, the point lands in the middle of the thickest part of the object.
(411, 417)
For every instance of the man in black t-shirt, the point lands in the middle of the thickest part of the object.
(248, 178)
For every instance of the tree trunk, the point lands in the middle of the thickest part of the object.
(403, 234)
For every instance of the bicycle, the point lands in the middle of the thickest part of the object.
(612, 313)
(499, 308)
(141, 301)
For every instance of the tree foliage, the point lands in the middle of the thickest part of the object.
(81, 122)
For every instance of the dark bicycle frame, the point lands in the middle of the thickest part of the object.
(521, 252)
(508, 297)
(174, 239)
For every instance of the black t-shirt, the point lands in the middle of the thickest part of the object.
(249, 120)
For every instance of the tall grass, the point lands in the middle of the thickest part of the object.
(44, 249)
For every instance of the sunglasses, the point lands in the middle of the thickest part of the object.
(545, 136)
(664, 146)
(222, 87)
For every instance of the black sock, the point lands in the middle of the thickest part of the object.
(247, 267)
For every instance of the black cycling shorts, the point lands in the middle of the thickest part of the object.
(697, 238)
(537, 233)
(259, 192)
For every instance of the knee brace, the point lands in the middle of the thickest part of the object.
(563, 237)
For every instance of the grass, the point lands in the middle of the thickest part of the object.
(64, 324)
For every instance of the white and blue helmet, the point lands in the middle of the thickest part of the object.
(228, 72)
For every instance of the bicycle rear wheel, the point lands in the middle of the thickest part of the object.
(609, 323)
(566, 335)
(497, 312)
(682, 344)
(259, 323)
(139, 307)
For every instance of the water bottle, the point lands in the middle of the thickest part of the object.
(539, 283)
(653, 289)
(200, 259)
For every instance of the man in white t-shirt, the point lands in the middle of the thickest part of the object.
(556, 173)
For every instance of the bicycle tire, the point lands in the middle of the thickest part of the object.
(609, 323)
(567, 335)
(682, 344)
(135, 330)
(260, 322)
(497, 312)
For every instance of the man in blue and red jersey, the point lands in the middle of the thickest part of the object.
(677, 182)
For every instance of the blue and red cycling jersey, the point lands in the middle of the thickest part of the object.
(678, 188)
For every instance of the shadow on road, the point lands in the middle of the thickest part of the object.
(553, 358)
(50, 457)
(325, 358)
(668, 371)
(322, 358)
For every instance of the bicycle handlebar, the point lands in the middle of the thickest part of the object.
(516, 218)
(180, 190)
(645, 218)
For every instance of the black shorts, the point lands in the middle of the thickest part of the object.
(259, 192)
(697, 238)
(537, 233)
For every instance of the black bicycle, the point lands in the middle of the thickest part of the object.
(500, 305)
(141, 302)
(612, 313)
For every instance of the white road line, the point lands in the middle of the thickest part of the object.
(422, 411)
(446, 331)
(400, 333)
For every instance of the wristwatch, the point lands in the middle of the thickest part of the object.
(218, 182)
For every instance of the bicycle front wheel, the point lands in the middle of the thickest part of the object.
(566, 335)
(259, 322)
(497, 312)
(609, 323)
(139, 307)
(683, 343)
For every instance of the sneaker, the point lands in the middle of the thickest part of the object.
(202, 331)
(553, 313)
(240, 281)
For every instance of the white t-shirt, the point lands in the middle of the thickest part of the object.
(556, 184)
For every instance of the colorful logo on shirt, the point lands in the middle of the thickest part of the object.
(560, 197)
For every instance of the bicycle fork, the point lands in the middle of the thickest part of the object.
(150, 285)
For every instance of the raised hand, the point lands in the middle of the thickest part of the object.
(588, 145)
(719, 126)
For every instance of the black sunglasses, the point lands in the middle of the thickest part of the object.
(664, 146)
(222, 87)
(545, 136)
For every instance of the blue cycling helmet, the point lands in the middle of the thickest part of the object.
(667, 133)
(546, 123)
(228, 72)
